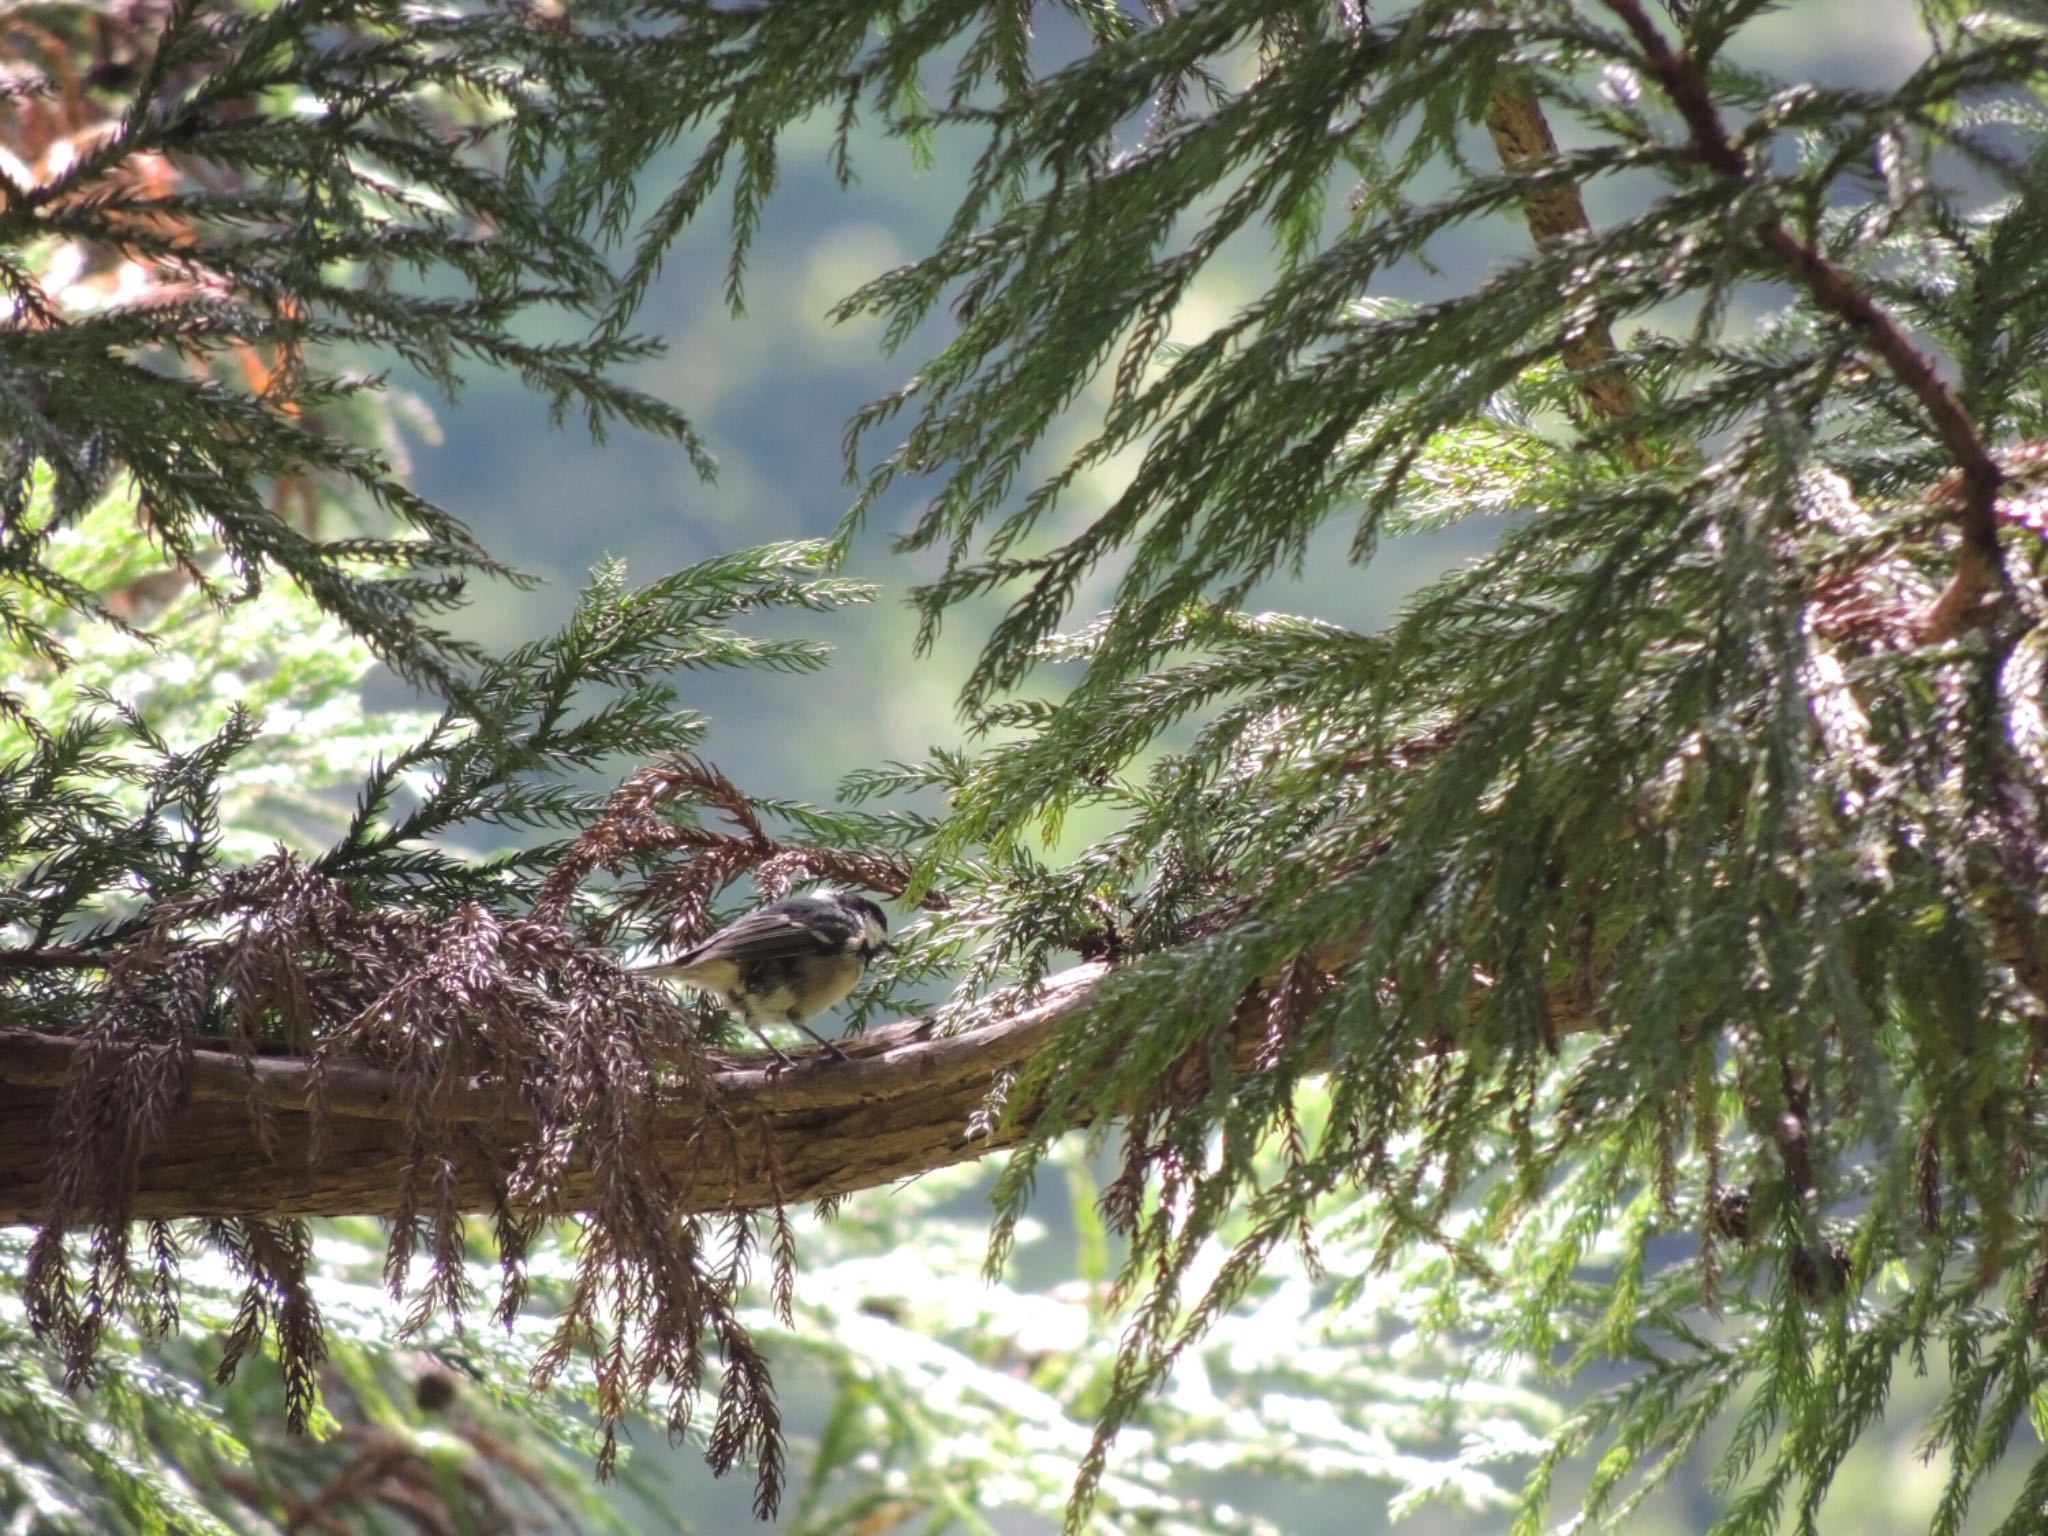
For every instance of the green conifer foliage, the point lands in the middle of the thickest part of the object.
(1635, 948)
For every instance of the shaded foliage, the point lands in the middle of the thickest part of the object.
(392, 951)
(175, 245)
(1671, 870)
(1729, 755)
(195, 276)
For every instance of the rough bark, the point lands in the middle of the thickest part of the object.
(905, 1102)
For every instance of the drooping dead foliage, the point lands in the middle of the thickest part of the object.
(584, 1054)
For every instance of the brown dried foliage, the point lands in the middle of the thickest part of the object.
(680, 895)
(279, 958)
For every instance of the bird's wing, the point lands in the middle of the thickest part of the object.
(765, 934)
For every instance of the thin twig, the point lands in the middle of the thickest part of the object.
(57, 957)
(1980, 569)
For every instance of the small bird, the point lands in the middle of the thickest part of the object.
(786, 961)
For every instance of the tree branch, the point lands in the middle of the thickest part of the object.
(278, 1136)
(56, 957)
(1980, 569)
(906, 1102)
(1556, 215)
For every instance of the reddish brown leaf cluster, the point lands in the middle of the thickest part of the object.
(279, 958)
(679, 895)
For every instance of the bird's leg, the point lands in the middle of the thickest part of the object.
(831, 1046)
(782, 1057)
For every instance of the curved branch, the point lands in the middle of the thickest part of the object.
(247, 1140)
(1980, 569)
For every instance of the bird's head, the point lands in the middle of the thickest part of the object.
(874, 923)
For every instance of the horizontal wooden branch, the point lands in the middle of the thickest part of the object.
(905, 1101)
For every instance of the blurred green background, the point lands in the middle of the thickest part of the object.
(771, 390)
